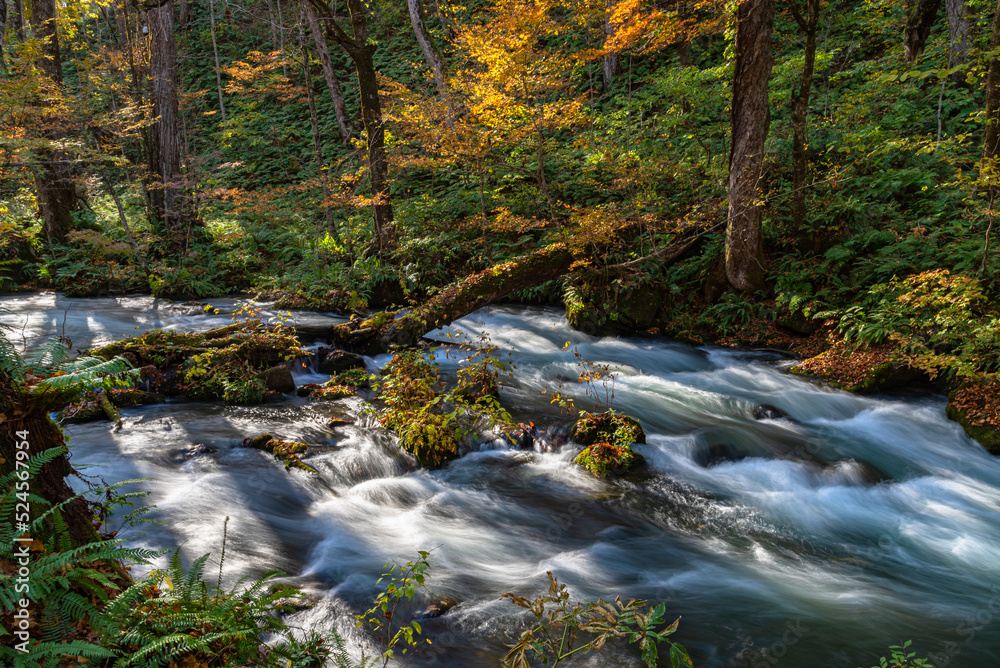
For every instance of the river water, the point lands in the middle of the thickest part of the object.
(816, 541)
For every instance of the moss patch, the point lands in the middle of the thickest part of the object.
(608, 427)
(604, 459)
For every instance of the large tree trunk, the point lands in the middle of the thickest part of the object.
(50, 482)
(611, 65)
(918, 27)
(361, 52)
(427, 46)
(332, 83)
(15, 17)
(750, 122)
(54, 179)
(171, 203)
(991, 135)
(959, 22)
(800, 109)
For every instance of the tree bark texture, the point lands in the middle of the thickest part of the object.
(171, 204)
(800, 109)
(750, 122)
(427, 47)
(54, 184)
(332, 82)
(959, 27)
(611, 65)
(918, 27)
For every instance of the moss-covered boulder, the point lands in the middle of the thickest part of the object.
(332, 392)
(607, 427)
(861, 370)
(976, 406)
(286, 452)
(356, 378)
(622, 306)
(604, 459)
(279, 379)
(233, 363)
(608, 437)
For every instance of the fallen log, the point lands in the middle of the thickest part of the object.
(384, 330)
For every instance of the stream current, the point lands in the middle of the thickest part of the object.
(816, 541)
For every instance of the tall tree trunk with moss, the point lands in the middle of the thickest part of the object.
(15, 18)
(800, 108)
(991, 134)
(362, 52)
(750, 121)
(172, 204)
(918, 27)
(332, 82)
(55, 189)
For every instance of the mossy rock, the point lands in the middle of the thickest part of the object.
(615, 308)
(984, 402)
(307, 389)
(332, 392)
(607, 427)
(861, 370)
(356, 378)
(336, 361)
(604, 459)
(286, 452)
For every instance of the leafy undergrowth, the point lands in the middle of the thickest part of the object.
(603, 459)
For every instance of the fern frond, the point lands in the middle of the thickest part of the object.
(47, 356)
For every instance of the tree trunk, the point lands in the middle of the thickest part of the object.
(750, 121)
(800, 110)
(281, 38)
(183, 15)
(3, 35)
(16, 18)
(959, 21)
(215, 52)
(611, 65)
(991, 135)
(317, 145)
(361, 52)
(918, 27)
(171, 204)
(50, 482)
(54, 179)
(332, 83)
(427, 46)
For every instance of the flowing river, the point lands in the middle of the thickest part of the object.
(816, 541)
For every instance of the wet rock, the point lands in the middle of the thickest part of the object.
(975, 406)
(719, 453)
(334, 361)
(279, 379)
(768, 412)
(285, 451)
(438, 607)
(522, 438)
(332, 393)
(307, 389)
(338, 422)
